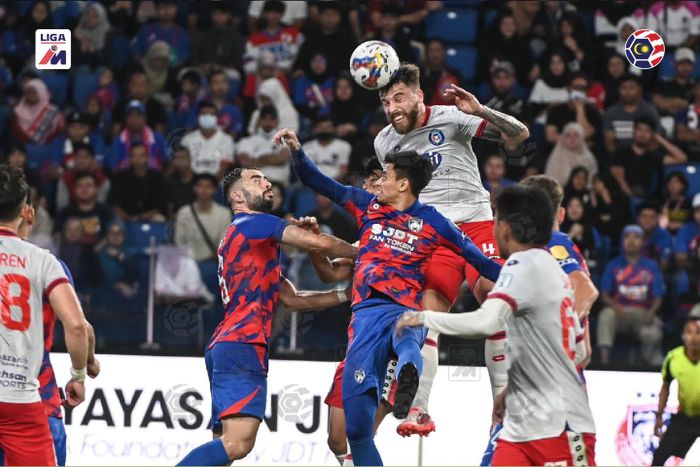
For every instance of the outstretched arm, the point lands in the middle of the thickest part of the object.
(306, 300)
(322, 243)
(484, 322)
(500, 127)
(454, 239)
(328, 270)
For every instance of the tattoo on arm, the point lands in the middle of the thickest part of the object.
(501, 124)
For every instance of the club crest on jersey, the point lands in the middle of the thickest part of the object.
(436, 137)
(397, 148)
(415, 224)
(359, 376)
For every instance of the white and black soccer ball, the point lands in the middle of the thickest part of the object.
(373, 64)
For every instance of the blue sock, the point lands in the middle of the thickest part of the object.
(407, 348)
(359, 425)
(211, 453)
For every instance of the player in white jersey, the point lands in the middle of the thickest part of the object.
(27, 275)
(444, 134)
(545, 412)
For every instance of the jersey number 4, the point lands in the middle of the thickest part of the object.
(10, 298)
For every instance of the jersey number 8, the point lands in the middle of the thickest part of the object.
(9, 300)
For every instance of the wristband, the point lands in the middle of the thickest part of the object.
(342, 297)
(78, 375)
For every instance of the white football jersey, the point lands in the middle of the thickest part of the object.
(27, 274)
(455, 190)
(545, 393)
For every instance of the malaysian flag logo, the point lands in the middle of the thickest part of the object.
(645, 49)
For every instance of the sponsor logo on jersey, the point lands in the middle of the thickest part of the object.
(436, 137)
(512, 262)
(559, 252)
(434, 157)
(415, 224)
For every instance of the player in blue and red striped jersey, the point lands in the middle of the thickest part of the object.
(251, 285)
(397, 235)
(574, 265)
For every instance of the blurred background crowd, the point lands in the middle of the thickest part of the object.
(164, 97)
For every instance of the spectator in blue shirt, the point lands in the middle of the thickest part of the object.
(164, 30)
(658, 242)
(632, 289)
(687, 234)
(136, 132)
(230, 117)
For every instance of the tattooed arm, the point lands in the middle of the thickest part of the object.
(500, 127)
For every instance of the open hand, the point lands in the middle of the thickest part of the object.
(410, 319)
(465, 101)
(287, 136)
(307, 223)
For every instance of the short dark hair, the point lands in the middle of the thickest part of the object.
(645, 121)
(180, 147)
(408, 74)
(436, 39)
(13, 192)
(372, 165)
(136, 145)
(268, 111)
(323, 119)
(551, 188)
(521, 208)
(232, 177)
(206, 105)
(80, 146)
(86, 174)
(192, 76)
(206, 177)
(274, 5)
(411, 165)
(216, 71)
(630, 77)
(649, 204)
(680, 176)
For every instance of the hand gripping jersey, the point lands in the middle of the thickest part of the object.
(545, 393)
(394, 245)
(445, 138)
(249, 278)
(27, 274)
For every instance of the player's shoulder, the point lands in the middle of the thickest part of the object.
(527, 261)
(560, 245)
(675, 352)
(384, 136)
(447, 114)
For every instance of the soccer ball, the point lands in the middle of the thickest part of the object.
(373, 64)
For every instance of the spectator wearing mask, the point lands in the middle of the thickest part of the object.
(35, 119)
(180, 180)
(673, 96)
(688, 236)
(211, 149)
(677, 209)
(494, 177)
(139, 88)
(576, 109)
(618, 121)
(136, 131)
(569, 152)
(436, 75)
(312, 93)
(165, 29)
(138, 193)
(258, 149)
(347, 109)
(551, 88)
(221, 45)
(83, 162)
(390, 31)
(637, 168)
(657, 240)
(678, 21)
(632, 290)
(688, 125)
(282, 41)
(229, 115)
(77, 132)
(92, 34)
(272, 93)
(94, 216)
(330, 154)
(294, 14)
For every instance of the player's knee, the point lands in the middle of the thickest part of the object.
(237, 448)
(337, 443)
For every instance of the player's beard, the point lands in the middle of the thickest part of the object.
(409, 121)
(258, 203)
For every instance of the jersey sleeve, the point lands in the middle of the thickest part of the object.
(566, 256)
(469, 126)
(514, 285)
(456, 240)
(67, 271)
(347, 196)
(666, 374)
(266, 226)
(53, 274)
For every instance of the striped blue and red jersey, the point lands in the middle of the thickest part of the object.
(249, 278)
(48, 388)
(394, 245)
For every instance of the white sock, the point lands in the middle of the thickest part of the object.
(340, 458)
(347, 460)
(430, 367)
(495, 355)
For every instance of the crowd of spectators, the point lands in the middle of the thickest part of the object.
(163, 98)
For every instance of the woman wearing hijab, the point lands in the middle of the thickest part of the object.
(551, 88)
(35, 119)
(92, 34)
(579, 186)
(312, 92)
(569, 152)
(347, 110)
(156, 64)
(505, 43)
(271, 92)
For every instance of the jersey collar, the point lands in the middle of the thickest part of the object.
(427, 115)
(4, 232)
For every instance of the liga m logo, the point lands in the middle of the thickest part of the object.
(52, 49)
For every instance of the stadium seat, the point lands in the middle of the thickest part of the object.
(65, 14)
(464, 60)
(139, 234)
(692, 173)
(37, 154)
(454, 26)
(121, 52)
(84, 84)
(57, 82)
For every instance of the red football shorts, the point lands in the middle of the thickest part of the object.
(446, 270)
(567, 449)
(334, 398)
(25, 436)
